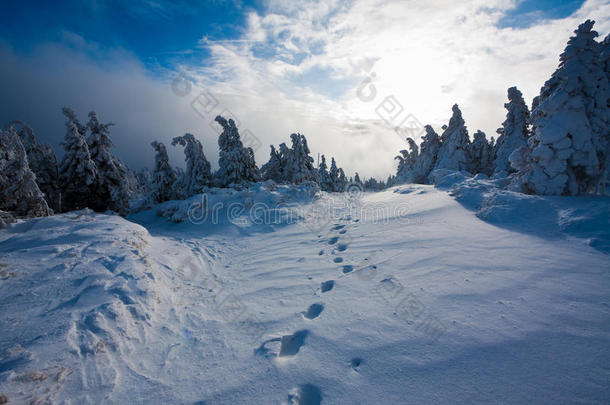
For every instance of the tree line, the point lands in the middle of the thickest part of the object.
(561, 146)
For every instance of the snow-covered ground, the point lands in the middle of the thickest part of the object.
(402, 296)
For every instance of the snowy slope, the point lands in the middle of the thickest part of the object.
(402, 296)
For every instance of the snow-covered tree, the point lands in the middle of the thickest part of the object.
(236, 163)
(481, 154)
(284, 152)
(455, 144)
(373, 185)
(273, 170)
(513, 134)
(144, 182)
(405, 173)
(570, 123)
(299, 167)
(112, 184)
(42, 161)
(19, 192)
(163, 176)
(77, 171)
(342, 181)
(390, 181)
(198, 170)
(431, 144)
(323, 176)
(357, 179)
(333, 174)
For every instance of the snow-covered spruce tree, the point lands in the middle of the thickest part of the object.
(570, 123)
(341, 181)
(455, 144)
(390, 181)
(144, 182)
(357, 180)
(112, 183)
(42, 161)
(284, 152)
(323, 176)
(333, 174)
(163, 176)
(77, 171)
(198, 173)
(273, 170)
(299, 167)
(431, 144)
(236, 163)
(405, 173)
(481, 154)
(513, 134)
(19, 192)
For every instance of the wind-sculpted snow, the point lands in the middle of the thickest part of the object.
(367, 298)
(586, 218)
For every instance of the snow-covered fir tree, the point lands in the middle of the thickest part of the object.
(42, 161)
(144, 181)
(273, 169)
(390, 181)
(570, 123)
(333, 174)
(299, 167)
(513, 134)
(342, 181)
(77, 171)
(455, 144)
(284, 152)
(323, 176)
(405, 173)
(481, 154)
(112, 183)
(357, 180)
(431, 144)
(163, 176)
(197, 175)
(19, 193)
(236, 163)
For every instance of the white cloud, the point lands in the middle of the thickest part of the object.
(428, 55)
(284, 75)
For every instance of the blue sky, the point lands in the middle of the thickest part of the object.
(167, 33)
(279, 66)
(158, 32)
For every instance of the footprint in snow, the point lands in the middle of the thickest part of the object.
(327, 285)
(313, 311)
(306, 394)
(333, 240)
(289, 345)
(347, 268)
(355, 363)
(342, 231)
(336, 228)
(341, 247)
(338, 260)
